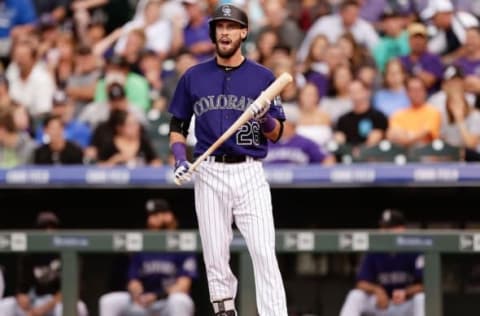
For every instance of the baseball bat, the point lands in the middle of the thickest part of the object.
(263, 99)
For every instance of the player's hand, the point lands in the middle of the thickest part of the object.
(259, 111)
(399, 296)
(182, 175)
(382, 298)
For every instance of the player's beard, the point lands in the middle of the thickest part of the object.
(227, 53)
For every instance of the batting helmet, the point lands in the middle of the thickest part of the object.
(227, 12)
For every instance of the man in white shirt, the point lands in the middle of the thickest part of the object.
(447, 29)
(31, 84)
(335, 25)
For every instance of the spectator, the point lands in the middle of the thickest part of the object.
(38, 290)
(19, 19)
(357, 56)
(164, 290)
(159, 128)
(333, 26)
(293, 148)
(394, 42)
(16, 148)
(388, 283)
(129, 145)
(196, 34)
(277, 19)
(22, 120)
(315, 69)
(338, 102)
(454, 78)
(313, 122)
(470, 61)
(136, 86)
(5, 99)
(98, 112)
(462, 127)
(74, 130)
(158, 31)
(184, 60)
(30, 83)
(61, 59)
(81, 84)
(449, 29)
(55, 10)
(266, 41)
(133, 49)
(363, 125)
(150, 66)
(57, 150)
(393, 96)
(418, 124)
(420, 62)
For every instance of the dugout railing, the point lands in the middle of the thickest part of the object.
(70, 244)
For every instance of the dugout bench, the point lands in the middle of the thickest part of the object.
(71, 243)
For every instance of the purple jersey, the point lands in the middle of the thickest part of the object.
(157, 271)
(217, 97)
(297, 150)
(391, 270)
(428, 62)
(469, 66)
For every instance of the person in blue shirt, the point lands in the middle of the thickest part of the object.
(388, 284)
(17, 17)
(74, 130)
(158, 283)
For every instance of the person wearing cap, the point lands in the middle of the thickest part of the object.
(335, 25)
(448, 28)
(158, 283)
(136, 86)
(293, 148)
(420, 62)
(394, 41)
(74, 130)
(388, 284)
(419, 124)
(470, 61)
(57, 150)
(39, 283)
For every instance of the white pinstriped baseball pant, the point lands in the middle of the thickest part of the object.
(238, 192)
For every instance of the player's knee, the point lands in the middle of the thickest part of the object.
(419, 299)
(356, 296)
(180, 300)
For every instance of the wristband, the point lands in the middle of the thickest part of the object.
(179, 151)
(268, 123)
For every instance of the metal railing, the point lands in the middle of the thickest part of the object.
(70, 244)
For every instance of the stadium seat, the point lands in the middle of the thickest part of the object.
(384, 151)
(436, 151)
(342, 152)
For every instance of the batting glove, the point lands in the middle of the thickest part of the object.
(181, 173)
(259, 111)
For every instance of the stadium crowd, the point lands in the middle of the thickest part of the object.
(89, 81)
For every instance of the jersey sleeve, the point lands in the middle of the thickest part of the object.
(367, 270)
(182, 105)
(188, 266)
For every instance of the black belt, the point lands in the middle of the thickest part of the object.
(229, 158)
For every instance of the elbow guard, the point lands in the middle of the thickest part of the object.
(179, 126)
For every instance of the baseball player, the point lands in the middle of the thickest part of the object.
(388, 284)
(230, 185)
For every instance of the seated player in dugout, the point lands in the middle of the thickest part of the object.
(38, 289)
(158, 283)
(388, 284)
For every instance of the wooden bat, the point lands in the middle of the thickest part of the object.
(263, 99)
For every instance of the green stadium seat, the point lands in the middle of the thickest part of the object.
(385, 151)
(436, 151)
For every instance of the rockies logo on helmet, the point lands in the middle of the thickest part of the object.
(227, 11)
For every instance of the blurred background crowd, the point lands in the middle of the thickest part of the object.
(89, 81)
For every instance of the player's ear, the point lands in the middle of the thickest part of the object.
(243, 34)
